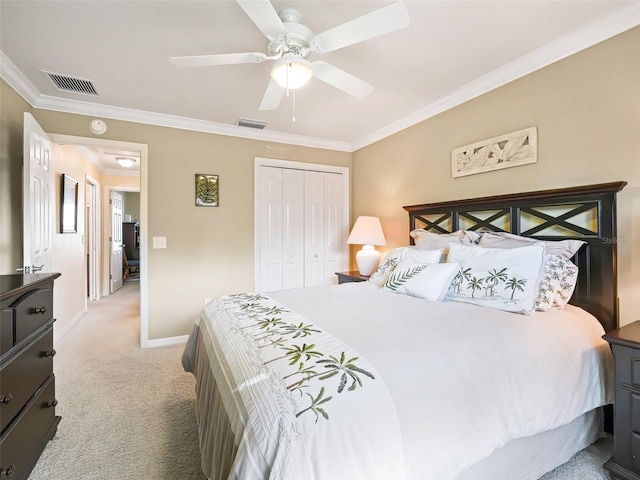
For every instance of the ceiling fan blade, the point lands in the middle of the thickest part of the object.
(384, 20)
(219, 59)
(272, 96)
(340, 79)
(262, 13)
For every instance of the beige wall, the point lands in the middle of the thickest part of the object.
(210, 251)
(12, 108)
(587, 110)
(68, 248)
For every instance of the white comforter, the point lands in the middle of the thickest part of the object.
(462, 381)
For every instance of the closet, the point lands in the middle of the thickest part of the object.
(301, 226)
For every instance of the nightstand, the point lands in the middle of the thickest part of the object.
(353, 276)
(625, 344)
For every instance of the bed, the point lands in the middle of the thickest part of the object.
(356, 381)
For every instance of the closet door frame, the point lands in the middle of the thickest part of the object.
(313, 167)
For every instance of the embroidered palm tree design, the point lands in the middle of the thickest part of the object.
(388, 265)
(492, 280)
(249, 297)
(302, 370)
(347, 368)
(300, 330)
(396, 280)
(514, 284)
(269, 329)
(462, 276)
(296, 352)
(315, 405)
(475, 284)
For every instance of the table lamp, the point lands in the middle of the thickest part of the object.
(367, 232)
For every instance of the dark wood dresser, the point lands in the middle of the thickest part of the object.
(625, 343)
(27, 384)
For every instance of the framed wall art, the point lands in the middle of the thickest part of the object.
(68, 205)
(207, 192)
(509, 150)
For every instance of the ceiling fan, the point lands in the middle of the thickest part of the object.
(290, 43)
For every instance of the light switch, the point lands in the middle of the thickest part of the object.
(159, 242)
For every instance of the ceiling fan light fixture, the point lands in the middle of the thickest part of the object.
(292, 72)
(125, 162)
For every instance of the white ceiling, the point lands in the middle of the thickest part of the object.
(451, 52)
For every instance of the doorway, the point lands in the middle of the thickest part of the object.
(101, 213)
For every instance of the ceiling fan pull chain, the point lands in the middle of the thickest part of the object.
(294, 105)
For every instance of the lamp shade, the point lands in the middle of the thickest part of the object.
(367, 231)
(292, 72)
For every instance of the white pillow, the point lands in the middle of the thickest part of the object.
(557, 284)
(426, 239)
(423, 280)
(502, 278)
(566, 248)
(394, 256)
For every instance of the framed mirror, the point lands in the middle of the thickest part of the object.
(68, 205)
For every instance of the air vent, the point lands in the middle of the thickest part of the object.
(245, 122)
(71, 84)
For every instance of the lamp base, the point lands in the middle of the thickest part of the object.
(368, 260)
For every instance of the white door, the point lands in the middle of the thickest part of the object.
(281, 247)
(314, 229)
(293, 228)
(38, 198)
(270, 228)
(335, 236)
(115, 201)
(92, 240)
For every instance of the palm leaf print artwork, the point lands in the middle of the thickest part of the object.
(206, 190)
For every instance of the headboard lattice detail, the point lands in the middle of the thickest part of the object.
(585, 213)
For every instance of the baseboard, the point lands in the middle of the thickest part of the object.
(163, 342)
(58, 334)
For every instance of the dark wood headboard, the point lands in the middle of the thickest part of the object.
(585, 213)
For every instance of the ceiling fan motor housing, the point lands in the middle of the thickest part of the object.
(296, 41)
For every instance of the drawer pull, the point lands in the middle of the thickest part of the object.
(41, 310)
(5, 399)
(7, 472)
(52, 403)
(49, 353)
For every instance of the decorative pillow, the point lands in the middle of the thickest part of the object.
(557, 285)
(392, 259)
(502, 278)
(425, 239)
(565, 248)
(423, 280)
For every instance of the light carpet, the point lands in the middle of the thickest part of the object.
(128, 413)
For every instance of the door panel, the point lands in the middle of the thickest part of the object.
(314, 227)
(38, 198)
(270, 239)
(116, 241)
(293, 226)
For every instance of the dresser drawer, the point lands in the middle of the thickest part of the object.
(32, 310)
(6, 328)
(26, 437)
(24, 373)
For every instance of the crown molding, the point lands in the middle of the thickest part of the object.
(15, 78)
(608, 26)
(613, 24)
